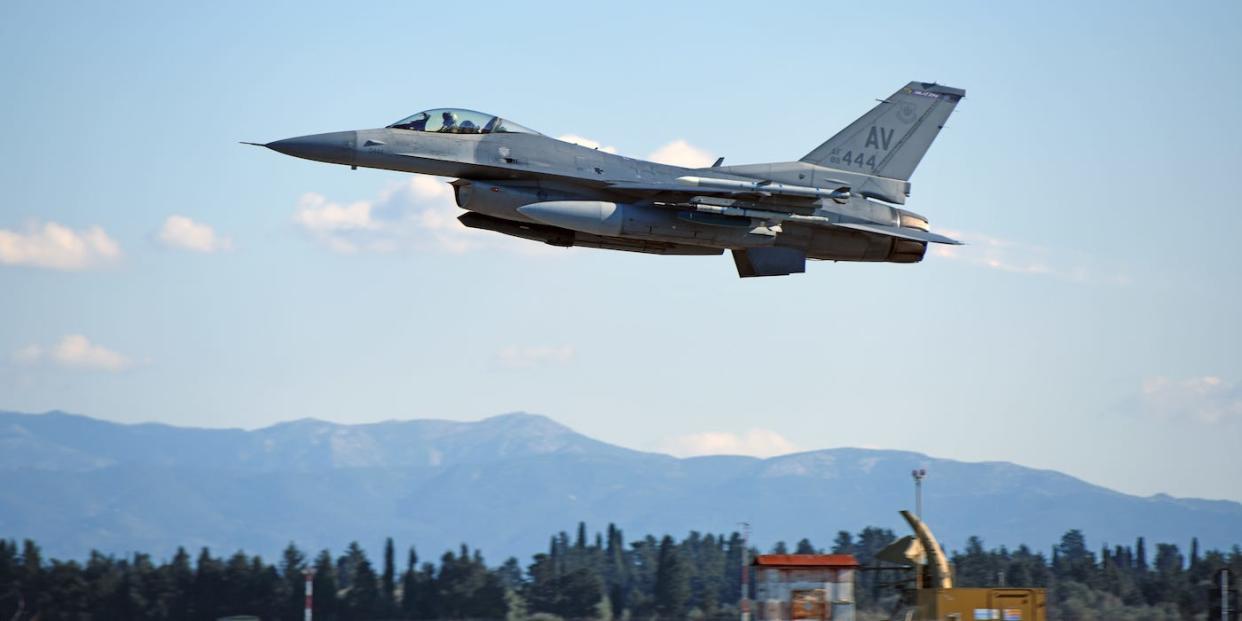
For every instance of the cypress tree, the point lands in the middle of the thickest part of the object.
(541, 592)
(388, 583)
(510, 574)
(844, 543)
(732, 590)
(581, 593)
(208, 586)
(363, 600)
(325, 587)
(616, 574)
(409, 584)
(1122, 557)
(181, 579)
(237, 578)
(555, 557)
(292, 564)
(672, 583)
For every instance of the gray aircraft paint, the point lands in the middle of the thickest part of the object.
(836, 203)
(915, 114)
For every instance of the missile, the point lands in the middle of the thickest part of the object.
(768, 187)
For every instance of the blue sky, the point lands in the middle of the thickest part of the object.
(152, 269)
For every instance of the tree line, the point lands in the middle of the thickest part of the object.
(1119, 582)
(600, 576)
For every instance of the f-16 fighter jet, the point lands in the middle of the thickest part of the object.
(837, 203)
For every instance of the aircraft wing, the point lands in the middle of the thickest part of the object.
(761, 195)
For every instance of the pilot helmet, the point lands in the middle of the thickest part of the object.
(449, 117)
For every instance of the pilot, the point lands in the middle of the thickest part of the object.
(450, 122)
(468, 127)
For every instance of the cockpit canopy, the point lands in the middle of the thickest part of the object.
(459, 121)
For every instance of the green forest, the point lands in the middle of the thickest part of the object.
(582, 576)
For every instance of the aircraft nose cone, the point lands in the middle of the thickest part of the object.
(334, 147)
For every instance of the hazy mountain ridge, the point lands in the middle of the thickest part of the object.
(84, 443)
(506, 483)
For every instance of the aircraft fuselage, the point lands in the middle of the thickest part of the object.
(772, 216)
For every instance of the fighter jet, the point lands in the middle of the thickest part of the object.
(837, 203)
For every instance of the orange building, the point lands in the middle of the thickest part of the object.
(815, 587)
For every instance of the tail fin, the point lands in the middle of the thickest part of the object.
(890, 140)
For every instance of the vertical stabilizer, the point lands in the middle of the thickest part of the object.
(891, 139)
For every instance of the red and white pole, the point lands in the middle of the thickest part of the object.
(310, 593)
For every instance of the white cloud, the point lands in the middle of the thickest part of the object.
(681, 153)
(755, 442)
(531, 356)
(186, 234)
(74, 351)
(1207, 399)
(587, 142)
(1024, 258)
(419, 213)
(55, 246)
(677, 153)
(342, 227)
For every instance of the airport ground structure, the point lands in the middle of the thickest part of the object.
(600, 576)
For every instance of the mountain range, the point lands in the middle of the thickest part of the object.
(505, 484)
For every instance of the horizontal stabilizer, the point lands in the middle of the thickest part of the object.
(899, 231)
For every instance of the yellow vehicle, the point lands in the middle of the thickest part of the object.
(936, 599)
(1000, 604)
